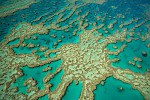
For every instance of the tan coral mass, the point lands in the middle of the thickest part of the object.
(86, 61)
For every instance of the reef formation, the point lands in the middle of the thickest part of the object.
(10, 6)
(86, 61)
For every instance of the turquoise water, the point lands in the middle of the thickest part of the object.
(43, 98)
(31, 13)
(48, 41)
(73, 91)
(110, 91)
(52, 55)
(134, 49)
(56, 80)
(37, 74)
(14, 42)
(38, 9)
(118, 44)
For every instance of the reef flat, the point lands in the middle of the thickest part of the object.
(76, 44)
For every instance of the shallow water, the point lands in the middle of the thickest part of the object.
(111, 91)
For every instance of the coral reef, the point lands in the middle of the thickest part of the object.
(86, 61)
